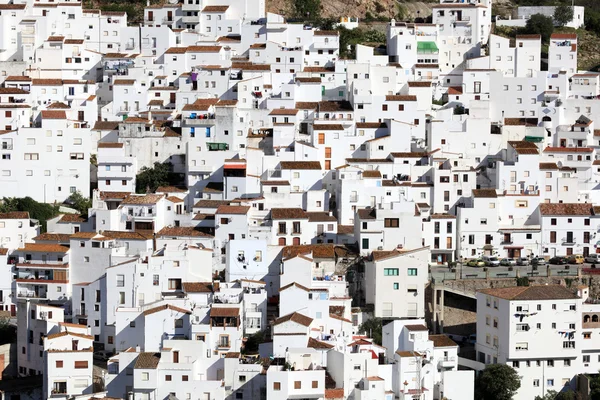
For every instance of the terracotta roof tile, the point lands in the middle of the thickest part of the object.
(390, 97)
(566, 209)
(53, 237)
(550, 149)
(571, 36)
(316, 344)
(47, 82)
(442, 341)
(51, 114)
(371, 174)
(43, 248)
(485, 193)
(294, 317)
(288, 213)
(371, 125)
(284, 111)
(147, 361)
(326, 33)
(72, 218)
(106, 125)
(142, 199)
(232, 210)
(416, 327)
(334, 394)
(317, 251)
(181, 231)
(546, 292)
(166, 307)
(224, 311)
(300, 165)
(320, 216)
(232, 354)
(122, 235)
(215, 8)
(198, 287)
(15, 215)
(308, 80)
(328, 127)
(110, 145)
(307, 105)
(204, 49)
(114, 195)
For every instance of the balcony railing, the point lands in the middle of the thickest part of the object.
(168, 20)
(568, 241)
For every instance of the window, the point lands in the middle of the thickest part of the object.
(586, 359)
(277, 386)
(550, 382)
(81, 364)
(297, 384)
(59, 363)
(168, 378)
(396, 286)
(145, 376)
(412, 272)
(391, 272)
(120, 280)
(391, 222)
(536, 383)
(179, 323)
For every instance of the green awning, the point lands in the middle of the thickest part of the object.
(427, 47)
(534, 139)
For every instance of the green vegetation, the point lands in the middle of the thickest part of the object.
(523, 281)
(352, 37)
(540, 24)
(563, 14)
(594, 387)
(151, 178)
(308, 10)
(39, 211)
(8, 333)
(553, 395)
(251, 345)
(498, 382)
(80, 203)
(372, 328)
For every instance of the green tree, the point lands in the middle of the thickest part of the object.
(594, 387)
(40, 211)
(308, 10)
(563, 14)
(540, 24)
(400, 12)
(523, 281)
(80, 203)
(498, 382)
(372, 327)
(151, 178)
(553, 395)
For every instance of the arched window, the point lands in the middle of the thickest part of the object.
(594, 318)
(586, 319)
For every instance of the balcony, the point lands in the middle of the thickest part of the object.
(31, 295)
(167, 20)
(568, 241)
(200, 119)
(447, 362)
(149, 21)
(190, 19)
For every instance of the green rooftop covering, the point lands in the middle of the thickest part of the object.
(427, 47)
(534, 139)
